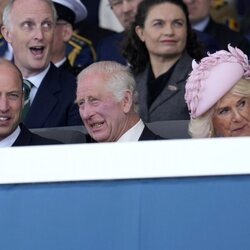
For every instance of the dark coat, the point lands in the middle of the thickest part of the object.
(110, 49)
(148, 135)
(27, 138)
(54, 105)
(3, 46)
(73, 70)
(225, 35)
(170, 103)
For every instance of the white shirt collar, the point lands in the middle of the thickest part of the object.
(8, 54)
(37, 79)
(58, 64)
(134, 133)
(9, 140)
(200, 26)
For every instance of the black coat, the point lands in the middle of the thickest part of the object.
(225, 35)
(27, 138)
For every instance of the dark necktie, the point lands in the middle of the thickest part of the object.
(27, 86)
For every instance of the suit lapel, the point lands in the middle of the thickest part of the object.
(141, 85)
(171, 88)
(45, 99)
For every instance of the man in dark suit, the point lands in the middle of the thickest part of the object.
(110, 48)
(199, 15)
(107, 103)
(29, 27)
(12, 133)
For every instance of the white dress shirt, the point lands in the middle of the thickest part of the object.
(134, 133)
(9, 140)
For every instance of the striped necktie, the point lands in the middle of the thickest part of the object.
(27, 86)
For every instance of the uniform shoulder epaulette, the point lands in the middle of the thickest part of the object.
(78, 43)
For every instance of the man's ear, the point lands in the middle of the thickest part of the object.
(127, 101)
(6, 34)
(139, 32)
(67, 32)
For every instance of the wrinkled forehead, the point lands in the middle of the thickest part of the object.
(33, 8)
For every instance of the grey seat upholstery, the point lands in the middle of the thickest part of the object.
(176, 129)
(65, 135)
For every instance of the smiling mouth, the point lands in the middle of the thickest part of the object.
(96, 125)
(4, 118)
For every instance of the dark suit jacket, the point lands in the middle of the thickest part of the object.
(110, 49)
(148, 135)
(225, 35)
(170, 103)
(26, 138)
(3, 46)
(67, 66)
(54, 105)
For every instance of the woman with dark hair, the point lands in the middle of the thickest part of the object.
(160, 48)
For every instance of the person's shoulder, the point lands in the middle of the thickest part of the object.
(39, 140)
(80, 50)
(62, 80)
(148, 134)
(3, 45)
(28, 138)
(60, 74)
(114, 38)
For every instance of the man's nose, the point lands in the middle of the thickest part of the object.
(4, 104)
(39, 33)
(87, 111)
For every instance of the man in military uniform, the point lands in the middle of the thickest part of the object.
(68, 47)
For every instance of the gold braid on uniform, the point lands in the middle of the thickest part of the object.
(1, 40)
(78, 42)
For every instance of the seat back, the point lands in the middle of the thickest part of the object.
(67, 135)
(176, 129)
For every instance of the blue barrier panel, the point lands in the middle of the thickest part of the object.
(201, 213)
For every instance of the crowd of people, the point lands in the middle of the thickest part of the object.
(172, 61)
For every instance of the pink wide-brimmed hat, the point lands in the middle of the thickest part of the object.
(213, 77)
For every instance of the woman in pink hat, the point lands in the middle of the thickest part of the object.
(218, 95)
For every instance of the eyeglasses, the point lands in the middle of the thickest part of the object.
(118, 3)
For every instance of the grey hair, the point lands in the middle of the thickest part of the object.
(8, 8)
(202, 127)
(118, 77)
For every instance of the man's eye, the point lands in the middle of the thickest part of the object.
(80, 103)
(47, 25)
(27, 24)
(13, 96)
(93, 101)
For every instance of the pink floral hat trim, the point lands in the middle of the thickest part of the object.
(213, 77)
